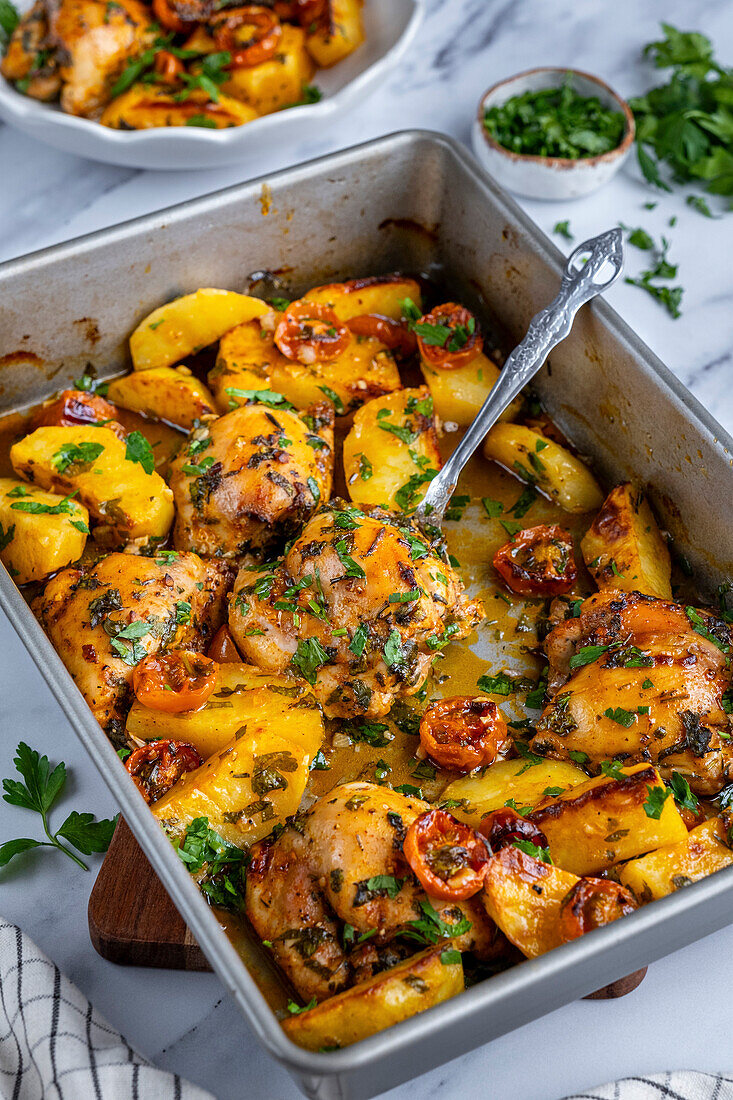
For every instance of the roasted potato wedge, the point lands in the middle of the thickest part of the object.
(173, 394)
(540, 461)
(144, 106)
(392, 450)
(249, 360)
(255, 781)
(190, 323)
(624, 547)
(523, 895)
(459, 394)
(127, 502)
(242, 693)
(703, 851)
(388, 998)
(380, 294)
(39, 531)
(278, 82)
(330, 44)
(605, 820)
(509, 780)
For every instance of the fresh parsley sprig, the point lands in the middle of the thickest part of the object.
(39, 790)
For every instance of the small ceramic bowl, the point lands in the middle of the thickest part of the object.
(550, 177)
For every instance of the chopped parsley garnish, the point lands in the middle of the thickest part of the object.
(76, 458)
(334, 398)
(531, 849)
(683, 795)
(718, 639)
(259, 397)
(139, 450)
(620, 716)
(563, 230)
(654, 804)
(555, 122)
(502, 684)
(351, 567)
(309, 657)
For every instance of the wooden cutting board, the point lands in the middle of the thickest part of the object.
(133, 922)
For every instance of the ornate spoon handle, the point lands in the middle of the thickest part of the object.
(580, 282)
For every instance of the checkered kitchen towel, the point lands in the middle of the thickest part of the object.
(682, 1085)
(55, 1046)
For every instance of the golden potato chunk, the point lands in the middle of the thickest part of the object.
(39, 532)
(164, 393)
(256, 780)
(702, 852)
(127, 502)
(391, 453)
(519, 781)
(241, 693)
(343, 32)
(426, 979)
(144, 106)
(606, 820)
(523, 896)
(624, 548)
(251, 478)
(380, 294)
(190, 323)
(249, 360)
(278, 82)
(459, 394)
(542, 462)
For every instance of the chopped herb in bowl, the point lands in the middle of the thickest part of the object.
(555, 122)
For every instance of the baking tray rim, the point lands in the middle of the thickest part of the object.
(228, 965)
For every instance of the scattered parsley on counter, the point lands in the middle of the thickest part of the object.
(38, 792)
(563, 230)
(686, 125)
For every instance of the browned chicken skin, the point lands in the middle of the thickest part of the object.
(319, 876)
(30, 59)
(651, 691)
(93, 41)
(90, 617)
(359, 607)
(251, 478)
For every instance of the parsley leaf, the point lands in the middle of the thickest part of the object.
(39, 790)
(139, 450)
(310, 656)
(654, 804)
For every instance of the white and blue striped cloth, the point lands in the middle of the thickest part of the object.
(55, 1046)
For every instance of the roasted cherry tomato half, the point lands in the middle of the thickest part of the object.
(157, 766)
(449, 337)
(168, 66)
(590, 904)
(464, 732)
(250, 34)
(393, 334)
(311, 333)
(538, 561)
(175, 681)
(448, 858)
(502, 827)
(223, 649)
(73, 407)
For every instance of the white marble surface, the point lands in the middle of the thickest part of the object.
(185, 1021)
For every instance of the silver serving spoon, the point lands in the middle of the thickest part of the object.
(580, 282)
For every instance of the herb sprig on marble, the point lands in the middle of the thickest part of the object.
(38, 791)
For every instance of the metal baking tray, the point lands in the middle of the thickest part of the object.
(414, 202)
